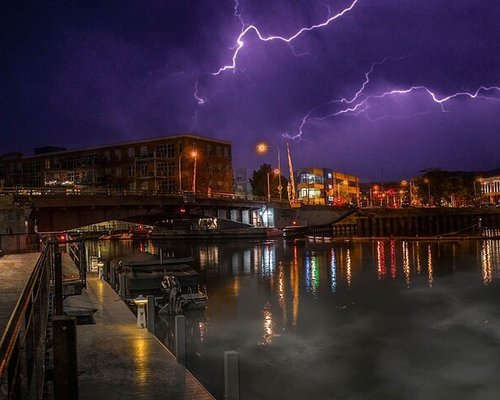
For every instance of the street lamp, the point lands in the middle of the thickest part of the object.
(262, 148)
(276, 172)
(426, 180)
(193, 154)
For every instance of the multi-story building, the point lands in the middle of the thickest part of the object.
(326, 186)
(171, 164)
(490, 188)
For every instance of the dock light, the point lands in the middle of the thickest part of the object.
(140, 301)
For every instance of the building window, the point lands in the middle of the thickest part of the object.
(180, 147)
(209, 149)
(218, 151)
(144, 150)
(165, 150)
(118, 172)
(47, 163)
(107, 155)
(171, 168)
(144, 169)
(118, 154)
(131, 152)
(226, 152)
(131, 170)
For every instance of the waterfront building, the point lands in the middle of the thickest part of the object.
(490, 189)
(326, 187)
(170, 164)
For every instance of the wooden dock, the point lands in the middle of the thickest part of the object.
(117, 360)
(15, 270)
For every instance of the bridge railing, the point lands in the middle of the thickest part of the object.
(22, 346)
(89, 191)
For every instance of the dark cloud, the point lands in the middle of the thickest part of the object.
(85, 73)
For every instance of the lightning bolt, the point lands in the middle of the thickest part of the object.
(359, 102)
(199, 99)
(247, 28)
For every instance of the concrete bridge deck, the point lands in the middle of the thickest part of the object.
(119, 361)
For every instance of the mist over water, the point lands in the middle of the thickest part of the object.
(368, 320)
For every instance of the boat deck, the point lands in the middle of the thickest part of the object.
(117, 360)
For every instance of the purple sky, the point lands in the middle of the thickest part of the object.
(79, 73)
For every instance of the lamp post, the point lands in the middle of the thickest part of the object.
(268, 189)
(194, 154)
(261, 149)
(180, 174)
(280, 187)
(276, 172)
(426, 180)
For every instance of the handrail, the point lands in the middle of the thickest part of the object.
(21, 361)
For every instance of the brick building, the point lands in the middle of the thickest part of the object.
(170, 164)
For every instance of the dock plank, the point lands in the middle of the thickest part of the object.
(119, 361)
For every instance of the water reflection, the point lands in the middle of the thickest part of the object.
(267, 336)
(311, 266)
(381, 270)
(406, 263)
(430, 270)
(288, 301)
(333, 271)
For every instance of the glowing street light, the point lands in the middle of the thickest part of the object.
(426, 180)
(262, 148)
(276, 172)
(193, 154)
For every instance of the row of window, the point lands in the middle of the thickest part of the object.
(491, 187)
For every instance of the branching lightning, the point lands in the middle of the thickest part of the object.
(247, 28)
(359, 103)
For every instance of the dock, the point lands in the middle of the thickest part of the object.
(117, 360)
(15, 270)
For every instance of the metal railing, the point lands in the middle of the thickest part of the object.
(100, 191)
(23, 344)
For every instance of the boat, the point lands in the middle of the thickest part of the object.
(117, 236)
(146, 274)
(182, 293)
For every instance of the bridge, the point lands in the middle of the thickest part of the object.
(55, 210)
(60, 209)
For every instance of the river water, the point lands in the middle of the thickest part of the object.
(355, 320)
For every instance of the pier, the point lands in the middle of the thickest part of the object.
(110, 357)
(117, 360)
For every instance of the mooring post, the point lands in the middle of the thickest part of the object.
(231, 376)
(65, 358)
(112, 276)
(151, 314)
(180, 339)
(123, 285)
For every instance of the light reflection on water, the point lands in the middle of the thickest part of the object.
(292, 310)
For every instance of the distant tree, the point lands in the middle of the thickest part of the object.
(449, 188)
(258, 181)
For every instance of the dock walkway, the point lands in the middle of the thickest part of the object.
(117, 360)
(15, 270)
